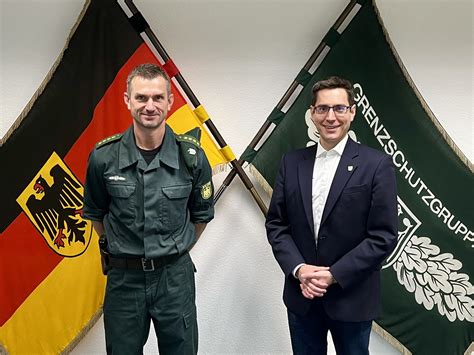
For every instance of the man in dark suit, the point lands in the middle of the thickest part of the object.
(331, 222)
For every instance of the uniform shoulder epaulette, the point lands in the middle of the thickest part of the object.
(108, 140)
(188, 142)
(187, 138)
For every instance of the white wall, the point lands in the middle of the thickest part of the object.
(239, 57)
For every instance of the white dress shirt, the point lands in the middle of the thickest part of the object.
(324, 169)
(325, 166)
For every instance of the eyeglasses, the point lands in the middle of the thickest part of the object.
(337, 109)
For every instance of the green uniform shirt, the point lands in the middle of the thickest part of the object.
(147, 210)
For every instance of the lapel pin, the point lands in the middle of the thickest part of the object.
(350, 168)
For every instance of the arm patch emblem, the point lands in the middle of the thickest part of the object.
(206, 191)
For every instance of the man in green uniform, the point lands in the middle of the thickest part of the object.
(151, 204)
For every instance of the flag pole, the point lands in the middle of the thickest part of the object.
(294, 85)
(140, 24)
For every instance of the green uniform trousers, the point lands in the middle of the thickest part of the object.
(165, 295)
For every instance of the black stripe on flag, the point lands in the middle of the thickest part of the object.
(102, 43)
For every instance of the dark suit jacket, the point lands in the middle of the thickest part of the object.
(358, 228)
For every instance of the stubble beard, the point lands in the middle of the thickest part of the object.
(148, 125)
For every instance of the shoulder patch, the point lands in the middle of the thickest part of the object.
(110, 139)
(206, 191)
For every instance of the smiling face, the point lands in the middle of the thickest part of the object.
(332, 127)
(148, 102)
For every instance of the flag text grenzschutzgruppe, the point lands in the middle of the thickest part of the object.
(408, 172)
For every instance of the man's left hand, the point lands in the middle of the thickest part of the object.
(318, 278)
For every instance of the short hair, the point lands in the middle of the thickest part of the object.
(334, 82)
(148, 71)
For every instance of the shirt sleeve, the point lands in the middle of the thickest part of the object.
(295, 270)
(201, 202)
(96, 198)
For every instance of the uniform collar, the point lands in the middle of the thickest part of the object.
(168, 154)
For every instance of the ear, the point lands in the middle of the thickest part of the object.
(311, 113)
(170, 101)
(126, 99)
(353, 112)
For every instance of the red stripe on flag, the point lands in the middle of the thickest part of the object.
(25, 258)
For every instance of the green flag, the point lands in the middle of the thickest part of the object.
(427, 294)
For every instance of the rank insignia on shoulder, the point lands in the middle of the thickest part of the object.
(189, 146)
(206, 191)
(191, 137)
(183, 138)
(107, 140)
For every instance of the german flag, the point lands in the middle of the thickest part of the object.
(51, 286)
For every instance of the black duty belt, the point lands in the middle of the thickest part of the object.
(141, 263)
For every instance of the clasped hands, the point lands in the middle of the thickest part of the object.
(314, 280)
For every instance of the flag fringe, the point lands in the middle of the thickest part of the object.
(390, 339)
(423, 103)
(45, 81)
(70, 347)
(261, 180)
(220, 168)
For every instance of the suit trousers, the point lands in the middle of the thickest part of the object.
(166, 295)
(309, 333)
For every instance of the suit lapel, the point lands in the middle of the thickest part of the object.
(305, 178)
(345, 169)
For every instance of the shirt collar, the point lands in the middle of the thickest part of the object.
(168, 154)
(338, 149)
(128, 154)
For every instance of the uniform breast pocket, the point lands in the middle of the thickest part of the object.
(174, 205)
(122, 201)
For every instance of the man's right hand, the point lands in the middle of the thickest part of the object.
(312, 282)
